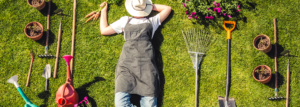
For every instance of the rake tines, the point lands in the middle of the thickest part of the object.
(197, 42)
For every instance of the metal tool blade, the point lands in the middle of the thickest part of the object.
(47, 71)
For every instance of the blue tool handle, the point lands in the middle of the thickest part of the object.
(28, 103)
(24, 96)
(46, 49)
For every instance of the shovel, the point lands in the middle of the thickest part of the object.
(47, 75)
(228, 102)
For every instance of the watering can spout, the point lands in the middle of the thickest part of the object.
(68, 58)
(14, 80)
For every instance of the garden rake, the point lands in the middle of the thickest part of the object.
(197, 42)
(46, 55)
(276, 71)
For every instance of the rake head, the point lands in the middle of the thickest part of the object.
(276, 98)
(46, 56)
(197, 42)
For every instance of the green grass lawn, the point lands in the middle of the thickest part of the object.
(96, 56)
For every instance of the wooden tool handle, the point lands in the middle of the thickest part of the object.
(73, 36)
(57, 52)
(29, 72)
(288, 84)
(48, 22)
(275, 43)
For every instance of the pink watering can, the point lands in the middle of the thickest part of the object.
(66, 95)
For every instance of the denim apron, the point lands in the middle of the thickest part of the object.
(136, 71)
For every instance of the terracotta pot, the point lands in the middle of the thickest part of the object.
(266, 80)
(39, 7)
(257, 38)
(39, 36)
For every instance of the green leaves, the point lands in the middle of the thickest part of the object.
(215, 8)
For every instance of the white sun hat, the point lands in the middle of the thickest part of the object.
(138, 7)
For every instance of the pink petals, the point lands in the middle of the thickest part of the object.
(229, 16)
(216, 4)
(193, 13)
(184, 5)
(238, 8)
(219, 9)
(190, 17)
(196, 17)
(209, 17)
(85, 99)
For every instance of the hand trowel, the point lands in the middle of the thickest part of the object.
(47, 75)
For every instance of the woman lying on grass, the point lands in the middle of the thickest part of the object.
(136, 71)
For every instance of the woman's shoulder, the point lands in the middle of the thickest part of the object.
(124, 18)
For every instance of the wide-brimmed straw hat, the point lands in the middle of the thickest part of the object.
(138, 7)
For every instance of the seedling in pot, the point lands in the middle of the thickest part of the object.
(262, 72)
(34, 29)
(263, 43)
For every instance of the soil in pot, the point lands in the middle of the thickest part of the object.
(262, 43)
(262, 73)
(35, 3)
(34, 30)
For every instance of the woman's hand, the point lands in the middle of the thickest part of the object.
(104, 4)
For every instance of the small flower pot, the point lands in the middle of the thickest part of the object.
(263, 78)
(38, 4)
(262, 43)
(35, 34)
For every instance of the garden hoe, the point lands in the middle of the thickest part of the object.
(58, 44)
(14, 80)
(287, 53)
(228, 102)
(46, 55)
(29, 72)
(276, 72)
(47, 75)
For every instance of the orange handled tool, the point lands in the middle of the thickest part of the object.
(228, 102)
(229, 30)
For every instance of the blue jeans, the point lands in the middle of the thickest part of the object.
(122, 99)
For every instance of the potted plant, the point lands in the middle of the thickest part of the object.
(262, 73)
(262, 43)
(38, 4)
(34, 30)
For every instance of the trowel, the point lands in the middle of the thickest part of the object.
(47, 75)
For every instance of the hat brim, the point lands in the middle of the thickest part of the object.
(134, 12)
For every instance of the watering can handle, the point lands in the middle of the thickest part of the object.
(28, 102)
(229, 30)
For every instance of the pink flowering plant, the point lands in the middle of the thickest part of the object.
(83, 103)
(212, 9)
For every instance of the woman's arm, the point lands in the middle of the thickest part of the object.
(105, 29)
(163, 10)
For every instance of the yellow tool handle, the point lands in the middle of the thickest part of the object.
(229, 30)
